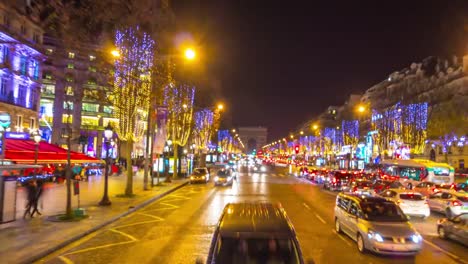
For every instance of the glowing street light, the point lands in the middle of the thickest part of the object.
(190, 54)
(115, 53)
(361, 109)
(315, 127)
(302, 132)
(220, 106)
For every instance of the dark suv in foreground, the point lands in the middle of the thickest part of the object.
(254, 233)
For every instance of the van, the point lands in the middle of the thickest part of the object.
(376, 224)
(254, 233)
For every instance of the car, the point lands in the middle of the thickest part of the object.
(412, 203)
(224, 177)
(382, 185)
(376, 224)
(336, 180)
(260, 167)
(360, 186)
(257, 232)
(451, 203)
(455, 228)
(426, 188)
(200, 175)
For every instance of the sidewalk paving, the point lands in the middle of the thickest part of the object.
(26, 240)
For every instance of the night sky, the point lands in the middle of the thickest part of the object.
(280, 63)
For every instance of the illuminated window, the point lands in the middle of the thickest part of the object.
(48, 89)
(69, 79)
(90, 107)
(108, 109)
(49, 51)
(3, 87)
(32, 123)
(70, 66)
(89, 121)
(47, 76)
(91, 81)
(67, 119)
(19, 121)
(67, 105)
(92, 58)
(91, 69)
(23, 65)
(69, 90)
(71, 55)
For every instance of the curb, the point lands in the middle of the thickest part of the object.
(96, 228)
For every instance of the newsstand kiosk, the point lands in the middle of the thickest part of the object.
(8, 176)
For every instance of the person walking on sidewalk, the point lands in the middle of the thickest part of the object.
(39, 189)
(31, 190)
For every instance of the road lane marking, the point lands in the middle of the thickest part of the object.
(444, 251)
(98, 247)
(123, 234)
(65, 260)
(320, 218)
(138, 223)
(306, 206)
(342, 238)
(152, 216)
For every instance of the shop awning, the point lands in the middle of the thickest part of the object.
(23, 151)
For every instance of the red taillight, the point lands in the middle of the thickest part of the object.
(355, 189)
(456, 203)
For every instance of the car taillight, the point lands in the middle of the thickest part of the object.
(456, 203)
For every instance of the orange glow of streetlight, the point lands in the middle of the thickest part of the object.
(361, 109)
(315, 127)
(220, 106)
(302, 132)
(190, 54)
(115, 53)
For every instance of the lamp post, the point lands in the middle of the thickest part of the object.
(37, 140)
(108, 133)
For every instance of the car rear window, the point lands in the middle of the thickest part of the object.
(240, 250)
(380, 211)
(411, 196)
(463, 198)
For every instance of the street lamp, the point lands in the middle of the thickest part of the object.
(115, 53)
(108, 134)
(361, 109)
(37, 139)
(190, 54)
(220, 106)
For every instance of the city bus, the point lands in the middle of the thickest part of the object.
(417, 170)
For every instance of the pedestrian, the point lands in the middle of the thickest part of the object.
(31, 190)
(37, 196)
(84, 174)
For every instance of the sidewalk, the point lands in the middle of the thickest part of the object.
(25, 239)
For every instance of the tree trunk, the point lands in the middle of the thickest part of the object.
(176, 158)
(202, 160)
(128, 157)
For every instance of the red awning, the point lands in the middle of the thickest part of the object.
(23, 151)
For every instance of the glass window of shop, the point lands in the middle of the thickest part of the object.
(89, 121)
(90, 107)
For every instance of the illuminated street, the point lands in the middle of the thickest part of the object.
(178, 228)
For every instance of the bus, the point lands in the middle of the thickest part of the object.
(417, 170)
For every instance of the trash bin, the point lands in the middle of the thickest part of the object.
(7, 199)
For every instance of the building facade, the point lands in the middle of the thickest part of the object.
(75, 97)
(20, 67)
(253, 137)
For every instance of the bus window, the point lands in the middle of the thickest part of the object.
(439, 171)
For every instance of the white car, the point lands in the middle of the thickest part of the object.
(411, 203)
(451, 203)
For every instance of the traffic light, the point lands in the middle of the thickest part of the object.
(296, 149)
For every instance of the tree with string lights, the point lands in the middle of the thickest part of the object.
(132, 87)
(179, 102)
(202, 130)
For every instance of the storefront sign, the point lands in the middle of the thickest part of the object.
(16, 135)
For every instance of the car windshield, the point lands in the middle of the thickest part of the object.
(199, 171)
(382, 211)
(223, 173)
(411, 196)
(239, 251)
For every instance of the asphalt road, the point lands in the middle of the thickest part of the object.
(178, 228)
